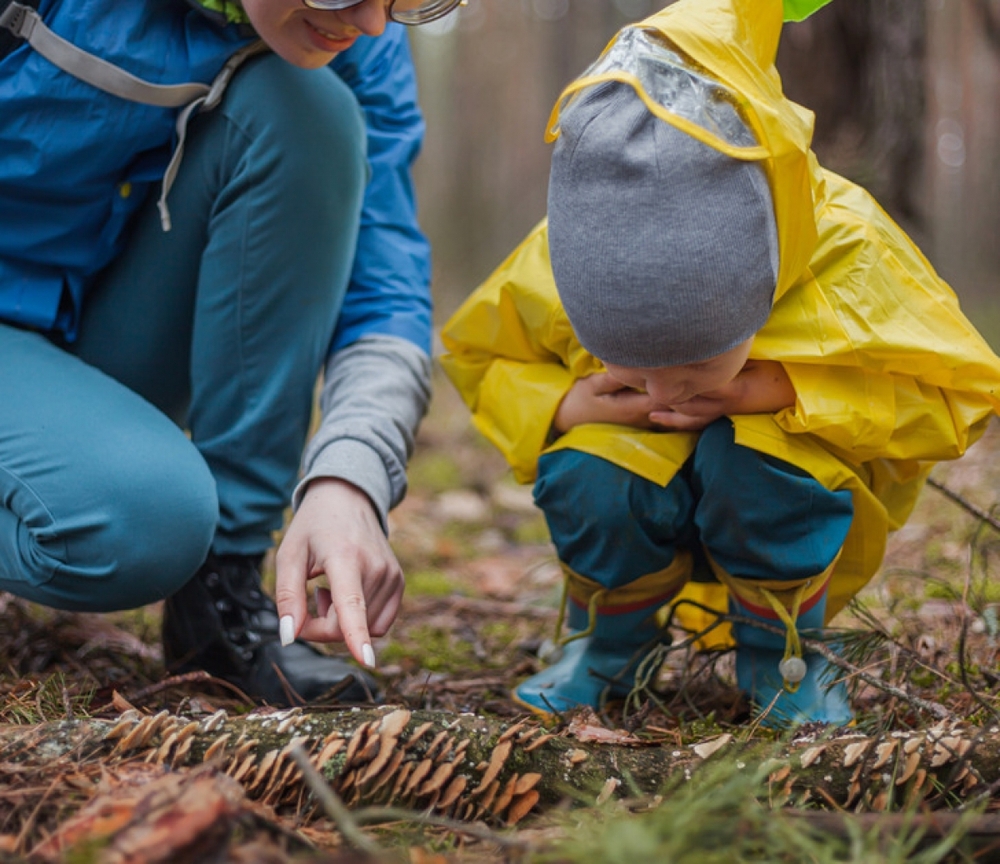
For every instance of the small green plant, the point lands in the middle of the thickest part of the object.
(430, 583)
(434, 649)
(938, 590)
(46, 699)
(434, 472)
(531, 531)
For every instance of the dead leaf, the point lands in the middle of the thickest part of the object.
(152, 822)
(601, 735)
(120, 703)
(610, 785)
(506, 796)
(395, 722)
(497, 577)
(912, 761)
(811, 755)
(455, 788)
(527, 783)
(422, 856)
(538, 742)
(883, 753)
(713, 745)
(442, 774)
(780, 775)
(498, 759)
(854, 751)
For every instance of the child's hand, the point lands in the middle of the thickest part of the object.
(600, 399)
(761, 387)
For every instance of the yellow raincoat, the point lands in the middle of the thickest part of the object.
(889, 374)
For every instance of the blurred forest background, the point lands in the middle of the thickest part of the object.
(906, 95)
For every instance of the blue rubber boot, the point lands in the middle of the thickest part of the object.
(769, 679)
(590, 668)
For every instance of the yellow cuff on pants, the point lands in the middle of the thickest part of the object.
(646, 591)
(752, 594)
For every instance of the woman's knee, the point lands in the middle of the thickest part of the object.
(134, 532)
(174, 509)
(307, 125)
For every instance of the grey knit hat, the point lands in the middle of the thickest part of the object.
(664, 250)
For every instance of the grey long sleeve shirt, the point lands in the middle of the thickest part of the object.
(375, 393)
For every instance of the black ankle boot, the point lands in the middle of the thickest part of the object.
(223, 622)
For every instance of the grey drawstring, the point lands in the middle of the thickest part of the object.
(206, 102)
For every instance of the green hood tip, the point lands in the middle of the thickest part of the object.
(799, 10)
(223, 11)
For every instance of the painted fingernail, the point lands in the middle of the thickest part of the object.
(286, 630)
(369, 655)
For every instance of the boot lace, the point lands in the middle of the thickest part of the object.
(792, 667)
(236, 592)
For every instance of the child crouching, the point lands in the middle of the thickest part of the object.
(713, 349)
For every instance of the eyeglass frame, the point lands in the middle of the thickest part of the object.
(347, 4)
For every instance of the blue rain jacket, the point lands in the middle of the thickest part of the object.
(76, 163)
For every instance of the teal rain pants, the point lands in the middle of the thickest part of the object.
(176, 422)
(758, 517)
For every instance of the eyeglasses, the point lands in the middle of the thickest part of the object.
(404, 11)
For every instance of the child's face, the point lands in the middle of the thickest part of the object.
(673, 385)
(311, 38)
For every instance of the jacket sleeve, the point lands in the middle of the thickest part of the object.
(866, 414)
(389, 292)
(512, 355)
(884, 363)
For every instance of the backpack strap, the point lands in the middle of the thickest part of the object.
(23, 22)
(8, 41)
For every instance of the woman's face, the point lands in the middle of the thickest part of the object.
(311, 38)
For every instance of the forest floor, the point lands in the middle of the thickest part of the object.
(483, 590)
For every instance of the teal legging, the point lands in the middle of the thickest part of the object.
(218, 327)
(759, 517)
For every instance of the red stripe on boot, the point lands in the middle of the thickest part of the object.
(624, 608)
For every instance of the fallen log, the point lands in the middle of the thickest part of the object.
(468, 767)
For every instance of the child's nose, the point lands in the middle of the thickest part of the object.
(665, 393)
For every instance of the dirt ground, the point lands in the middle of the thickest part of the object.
(484, 589)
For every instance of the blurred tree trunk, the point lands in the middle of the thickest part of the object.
(860, 65)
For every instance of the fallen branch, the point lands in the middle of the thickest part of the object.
(469, 768)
